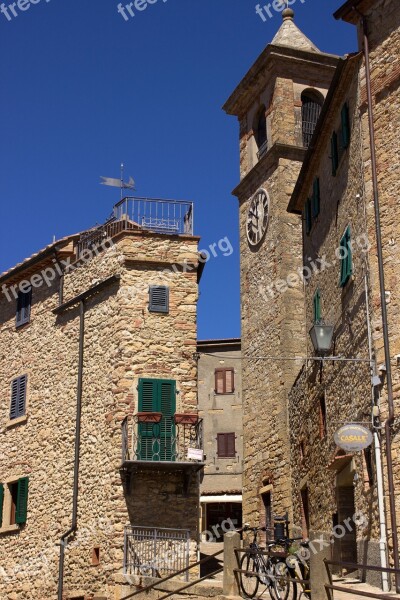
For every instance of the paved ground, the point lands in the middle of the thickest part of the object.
(207, 549)
(355, 586)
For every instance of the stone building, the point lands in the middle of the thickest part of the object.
(336, 195)
(100, 432)
(220, 408)
(277, 103)
(322, 267)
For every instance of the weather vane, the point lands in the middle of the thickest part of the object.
(123, 185)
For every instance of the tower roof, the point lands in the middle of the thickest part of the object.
(290, 35)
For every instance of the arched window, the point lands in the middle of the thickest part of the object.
(261, 132)
(311, 101)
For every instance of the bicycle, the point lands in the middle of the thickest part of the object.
(266, 569)
(299, 563)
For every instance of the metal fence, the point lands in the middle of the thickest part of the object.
(162, 442)
(159, 216)
(155, 552)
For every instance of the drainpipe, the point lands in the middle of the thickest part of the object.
(67, 534)
(378, 460)
(390, 420)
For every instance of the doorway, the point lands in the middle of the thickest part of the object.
(345, 540)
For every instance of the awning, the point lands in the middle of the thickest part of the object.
(221, 498)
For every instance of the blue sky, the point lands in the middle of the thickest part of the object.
(83, 90)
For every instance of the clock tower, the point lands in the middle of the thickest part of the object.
(277, 103)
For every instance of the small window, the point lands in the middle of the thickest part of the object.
(159, 298)
(14, 502)
(346, 259)
(23, 313)
(323, 431)
(308, 216)
(316, 199)
(18, 397)
(317, 306)
(261, 132)
(334, 153)
(305, 512)
(311, 105)
(345, 126)
(224, 381)
(226, 445)
(96, 556)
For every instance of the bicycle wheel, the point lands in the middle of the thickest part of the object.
(281, 588)
(248, 583)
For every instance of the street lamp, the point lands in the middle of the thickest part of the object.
(321, 336)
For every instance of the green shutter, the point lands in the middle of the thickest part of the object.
(345, 126)
(346, 263)
(316, 198)
(334, 153)
(22, 501)
(1, 503)
(156, 440)
(307, 211)
(317, 306)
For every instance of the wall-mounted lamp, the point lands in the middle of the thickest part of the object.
(321, 335)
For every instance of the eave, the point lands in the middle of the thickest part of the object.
(350, 10)
(271, 58)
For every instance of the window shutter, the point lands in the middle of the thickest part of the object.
(334, 153)
(317, 306)
(219, 382)
(1, 503)
(18, 397)
(307, 210)
(230, 445)
(23, 313)
(316, 198)
(167, 402)
(159, 298)
(345, 126)
(22, 501)
(226, 445)
(346, 263)
(221, 444)
(229, 381)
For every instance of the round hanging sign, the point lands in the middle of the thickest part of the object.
(353, 437)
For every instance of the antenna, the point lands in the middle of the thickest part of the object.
(122, 177)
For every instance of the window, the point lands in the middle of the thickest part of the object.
(96, 556)
(24, 302)
(334, 153)
(346, 259)
(261, 132)
(305, 512)
(322, 418)
(14, 502)
(18, 397)
(308, 215)
(159, 298)
(317, 306)
(316, 198)
(311, 102)
(156, 441)
(224, 381)
(226, 445)
(340, 139)
(267, 502)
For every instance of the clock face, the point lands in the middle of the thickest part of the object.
(257, 218)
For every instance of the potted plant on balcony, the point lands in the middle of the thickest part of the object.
(186, 418)
(148, 417)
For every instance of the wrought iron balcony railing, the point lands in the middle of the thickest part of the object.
(154, 437)
(168, 217)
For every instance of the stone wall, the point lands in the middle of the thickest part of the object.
(123, 342)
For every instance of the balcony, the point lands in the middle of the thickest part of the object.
(151, 441)
(166, 217)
